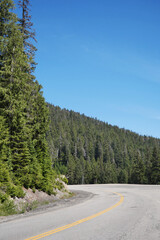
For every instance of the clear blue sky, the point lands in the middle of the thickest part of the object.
(101, 58)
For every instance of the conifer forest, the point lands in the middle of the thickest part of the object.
(90, 151)
(39, 141)
(24, 157)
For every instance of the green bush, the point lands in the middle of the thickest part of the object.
(59, 185)
(15, 191)
(3, 197)
(7, 206)
(64, 179)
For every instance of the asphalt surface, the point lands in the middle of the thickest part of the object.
(134, 214)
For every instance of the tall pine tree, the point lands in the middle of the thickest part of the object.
(155, 168)
(22, 104)
(27, 32)
(13, 87)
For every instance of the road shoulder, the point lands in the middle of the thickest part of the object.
(77, 197)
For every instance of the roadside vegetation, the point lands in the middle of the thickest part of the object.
(24, 116)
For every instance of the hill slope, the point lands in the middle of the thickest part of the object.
(91, 151)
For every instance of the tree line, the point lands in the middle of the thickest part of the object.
(24, 156)
(87, 151)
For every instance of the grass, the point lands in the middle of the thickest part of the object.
(68, 195)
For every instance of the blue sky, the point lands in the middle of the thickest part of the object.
(101, 58)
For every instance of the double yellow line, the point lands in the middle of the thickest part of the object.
(78, 222)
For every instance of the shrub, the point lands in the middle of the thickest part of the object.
(7, 206)
(15, 191)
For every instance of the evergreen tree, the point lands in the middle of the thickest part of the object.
(123, 176)
(14, 87)
(88, 173)
(37, 111)
(155, 169)
(79, 175)
(4, 164)
(4, 140)
(22, 105)
(148, 157)
(27, 32)
(71, 170)
(95, 171)
(138, 171)
(110, 173)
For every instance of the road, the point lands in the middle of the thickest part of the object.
(115, 211)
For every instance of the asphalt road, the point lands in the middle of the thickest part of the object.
(111, 211)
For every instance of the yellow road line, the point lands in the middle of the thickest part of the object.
(77, 222)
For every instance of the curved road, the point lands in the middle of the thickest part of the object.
(115, 211)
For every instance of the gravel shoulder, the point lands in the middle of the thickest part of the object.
(77, 196)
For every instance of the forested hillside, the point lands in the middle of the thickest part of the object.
(91, 151)
(84, 149)
(24, 157)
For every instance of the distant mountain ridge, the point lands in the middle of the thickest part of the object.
(91, 151)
